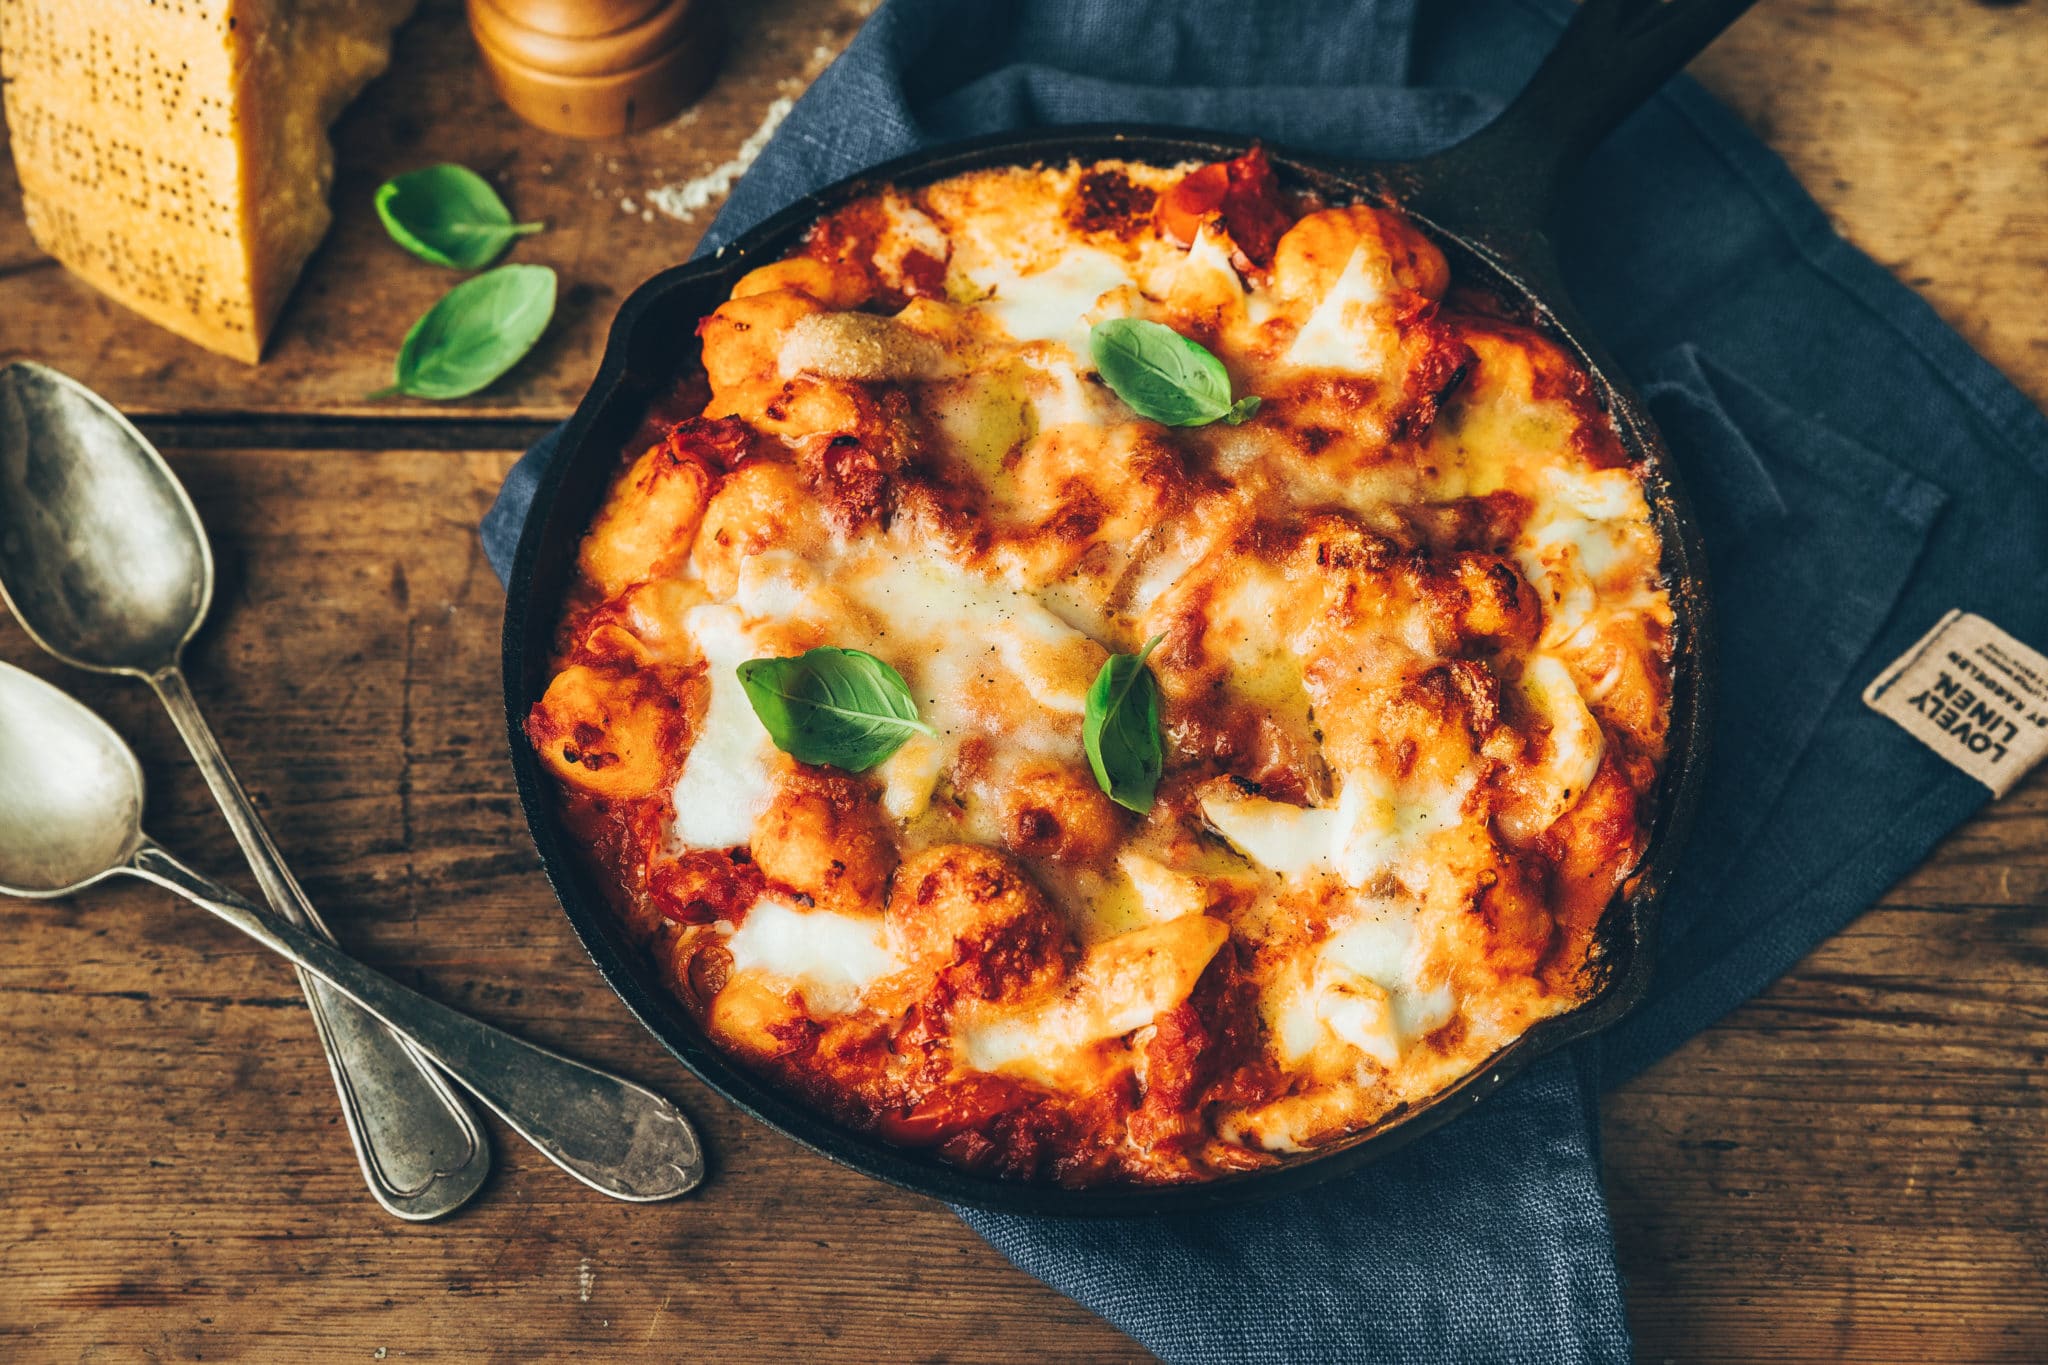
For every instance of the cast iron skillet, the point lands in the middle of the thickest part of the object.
(1486, 201)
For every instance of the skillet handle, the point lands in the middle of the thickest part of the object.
(1499, 184)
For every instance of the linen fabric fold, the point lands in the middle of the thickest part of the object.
(1859, 472)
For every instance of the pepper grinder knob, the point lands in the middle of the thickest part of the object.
(598, 68)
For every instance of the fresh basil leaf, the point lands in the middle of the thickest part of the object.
(844, 707)
(448, 215)
(1163, 375)
(478, 330)
(1120, 729)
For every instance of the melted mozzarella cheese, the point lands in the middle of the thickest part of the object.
(981, 657)
(1587, 524)
(1203, 283)
(1346, 331)
(1576, 743)
(908, 229)
(1057, 395)
(1051, 304)
(1362, 990)
(1294, 841)
(1420, 1013)
(1168, 561)
(1162, 893)
(984, 417)
(1571, 755)
(726, 779)
(1361, 1014)
(778, 586)
(831, 957)
(1610, 495)
(911, 775)
(1384, 949)
(1379, 829)
(1569, 597)
(1249, 604)
(953, 627)
(1368, 832)
(1122, 984)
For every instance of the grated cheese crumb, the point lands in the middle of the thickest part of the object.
(686, 199)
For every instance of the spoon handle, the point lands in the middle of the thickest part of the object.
(419, 1146)
(613, 1135)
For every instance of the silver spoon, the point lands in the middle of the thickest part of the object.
(71, 815)
(105, 564)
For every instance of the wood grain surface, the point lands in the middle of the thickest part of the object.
(1852, 1167)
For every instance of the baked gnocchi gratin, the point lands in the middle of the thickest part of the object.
(1116, 673)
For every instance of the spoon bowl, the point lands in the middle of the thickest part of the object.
(105, 563)
(102, 556)
(71, 815)
(70, 792)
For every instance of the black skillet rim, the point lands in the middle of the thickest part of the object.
(628, 379)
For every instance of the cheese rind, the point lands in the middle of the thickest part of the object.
(175, 157)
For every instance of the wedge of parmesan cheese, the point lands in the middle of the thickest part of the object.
(175, 155)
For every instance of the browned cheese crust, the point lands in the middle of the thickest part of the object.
(1413, 675)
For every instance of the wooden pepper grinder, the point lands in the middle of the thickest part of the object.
(598, 68)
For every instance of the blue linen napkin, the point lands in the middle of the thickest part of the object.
(1859, 473)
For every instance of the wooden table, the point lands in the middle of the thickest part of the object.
(1854, 1166)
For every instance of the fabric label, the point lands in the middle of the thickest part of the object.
(1974, 695)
